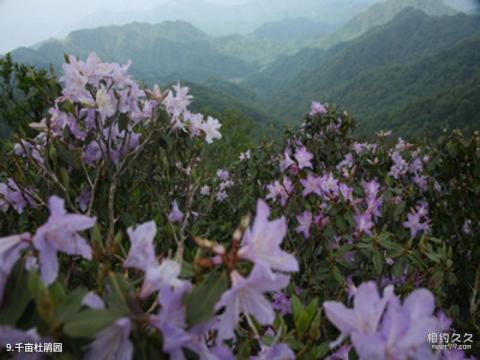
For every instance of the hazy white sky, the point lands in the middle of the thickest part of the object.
(25, 22)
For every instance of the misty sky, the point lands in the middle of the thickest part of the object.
(26, 22)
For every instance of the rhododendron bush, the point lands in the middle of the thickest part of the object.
(119, 241)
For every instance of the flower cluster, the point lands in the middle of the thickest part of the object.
(382, 326)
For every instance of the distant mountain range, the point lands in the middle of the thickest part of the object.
(382, 13)
(243, 18)
(410, 59)
(160, 53)
(389, 62)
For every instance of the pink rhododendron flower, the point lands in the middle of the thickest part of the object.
(418, 221)
(368, 308)
(210, 128)
(106, 103)
(221, 196)
(261, 243)
(223, 174)
(311, 185)
(10, 251)
(286, 161)
(60, 234)
(175, 216)
(304, 158)
(280, 191)
(205, 190)
(83, 200)
(317, 109)
(341, 353)
(245, 155)
(399, 167)
(12, 195)
(113, 342)
(164, 275)
(402, 330)
(93, 301)
(278, 351)
(11, 336)
(364, 223)
(142, 251)
(305, 221)
(347, 192)
(246, 297)
(467, 227)
(329, 186)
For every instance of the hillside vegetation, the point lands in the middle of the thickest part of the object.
(378, 74)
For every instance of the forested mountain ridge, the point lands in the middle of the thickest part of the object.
(380, 76)
(415, 55)
(162, 53)
(382, 13)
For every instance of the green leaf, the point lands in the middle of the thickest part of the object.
(337, 275)
(321, 350)
(71, 305)
(86, 324)
(201, 301)
(377, 261)
(187, 270)
(118, 293)
(65, 177)
(297, 308)
(399, 210)
(19, 298)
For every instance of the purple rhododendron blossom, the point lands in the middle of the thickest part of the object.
(175, 216)
(245, 155)
(261, 243)
(11, 195)
(280, 191)
(311, 185)
(403, 330)
(112, 342)
(10, 252)
(60, 234)
(164, 275)
(399, 167)
(171, 321)
(278, 351)
(304, 158)
(11, 336)
(368, 308)
(418, 221)
(345, 165)
(454, 354)
(467, 227)
(364, 223)
(246, 297)
(380, 327)
(93, 301)
(210, 128)
(317, 109)
(205, 190)
(329, 186)
(223, 174)
(346, 192)
(281, 303)
(341, 353)
(286, 161)
(142, 251)
(83, 200)
(221, 196)
(305, 221)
